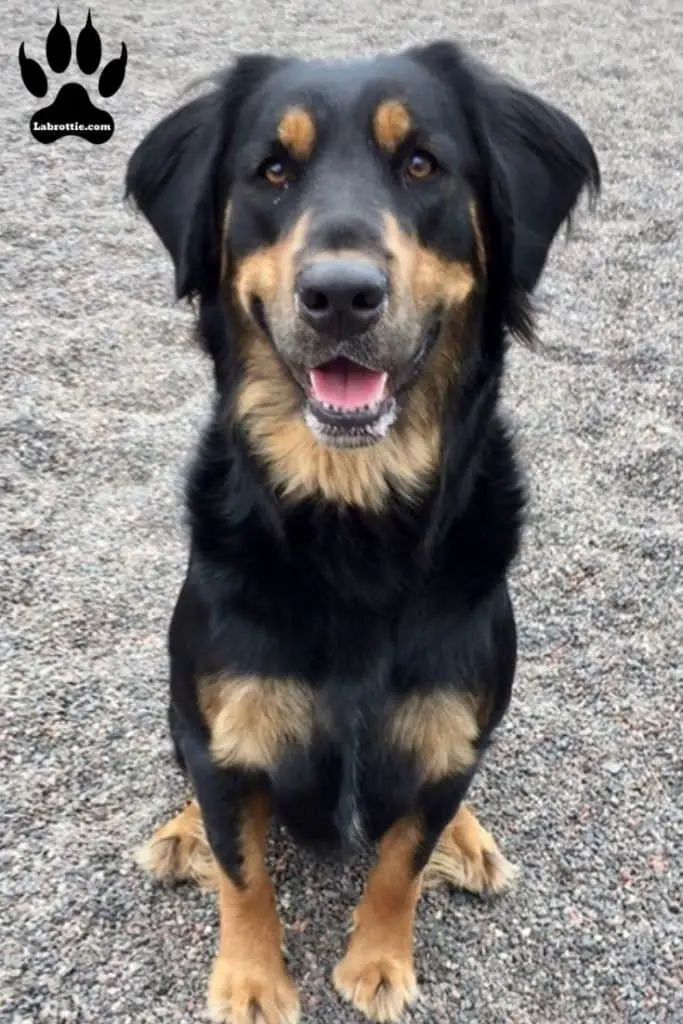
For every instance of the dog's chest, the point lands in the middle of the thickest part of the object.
(327, 783)
(367, 754)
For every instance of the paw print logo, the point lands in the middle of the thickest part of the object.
(72, 112)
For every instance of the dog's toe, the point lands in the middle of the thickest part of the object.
(179, 851)
(468, 857)
(379, 986)
(250, 993)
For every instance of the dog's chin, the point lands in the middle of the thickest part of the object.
(357, 428)
(353, 404)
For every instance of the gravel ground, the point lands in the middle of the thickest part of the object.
(103, 396)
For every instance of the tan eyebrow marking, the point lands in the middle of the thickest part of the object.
(296, 132)
(391, 123)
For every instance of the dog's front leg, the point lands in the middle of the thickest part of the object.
(376, 974)
(249, 980)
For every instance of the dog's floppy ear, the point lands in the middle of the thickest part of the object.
(541, 158)
(178, 175)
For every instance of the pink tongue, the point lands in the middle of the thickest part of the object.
(347, 385)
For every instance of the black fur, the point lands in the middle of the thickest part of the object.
(363, 606)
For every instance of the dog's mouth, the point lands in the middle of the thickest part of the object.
(348, 405)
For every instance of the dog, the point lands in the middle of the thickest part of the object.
(361, 241)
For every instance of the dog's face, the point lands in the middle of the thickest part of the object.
(360, 224)
(351, 237)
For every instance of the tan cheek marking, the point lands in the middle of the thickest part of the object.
(440, 730)
(437, 280)
(391, 123)
(251, 719)
(296, 132)
(269, 273)
(402, 250)
(429, 278)
(256, 274)
(267, 397)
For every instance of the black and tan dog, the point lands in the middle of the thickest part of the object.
(361, 238)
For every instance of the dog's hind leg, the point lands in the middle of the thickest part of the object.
(467, 857)
(179, 851)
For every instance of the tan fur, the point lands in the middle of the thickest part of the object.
(300, 467)
(478, 235)
(251, 719)
(249, 980)
(468, 857)
(325, 255)
(376, 973)
(439, 729)
(224, 264)
(270, 405)
(391, 123)
(179, 851)
(269, 272)
(424, 276)
(296, 132)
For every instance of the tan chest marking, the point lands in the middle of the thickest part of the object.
(439, 729)
(251, 719)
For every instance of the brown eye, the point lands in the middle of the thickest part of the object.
(276, 173)
(420, 165)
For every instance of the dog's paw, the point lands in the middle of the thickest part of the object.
(379, 985)
(251, 992)
(179, 851)
(468, 857)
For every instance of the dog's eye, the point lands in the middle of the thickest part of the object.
(420, 165)
(276, 172)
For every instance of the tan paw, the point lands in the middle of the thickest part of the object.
(468, 857)
(380, 986)
(249, 992)
(179, 851)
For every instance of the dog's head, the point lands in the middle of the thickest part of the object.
(355, 219)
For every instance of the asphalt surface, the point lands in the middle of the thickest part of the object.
(102, 396)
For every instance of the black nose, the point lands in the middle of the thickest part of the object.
(341, 297)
